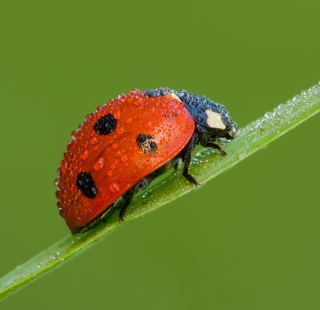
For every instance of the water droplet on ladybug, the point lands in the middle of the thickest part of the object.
(117, 115)
(148, 125)
(114, 187)
(94, 140)
(115, 146)
(124, 158)
(74, 134)
(64, 168)
(138, 102)
(98, 164)
(58, 195)
(129, 120)
(122, 96)
(120, 130)
(84, 154)
(70, 145)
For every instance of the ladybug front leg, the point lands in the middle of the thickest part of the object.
(217, 147)
(128, 196)
(186, 158)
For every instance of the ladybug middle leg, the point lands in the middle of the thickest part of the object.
(186, 158)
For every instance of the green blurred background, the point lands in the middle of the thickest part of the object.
(249, 239)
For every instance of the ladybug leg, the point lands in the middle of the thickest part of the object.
(186, 158)
(217, 147)
(177, 164)
(128, 196)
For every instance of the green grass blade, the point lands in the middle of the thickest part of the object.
(205, 166)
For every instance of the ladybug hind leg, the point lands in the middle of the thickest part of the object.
(128, 196)
(176, 166)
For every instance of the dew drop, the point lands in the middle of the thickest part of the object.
(98, 164)
(138, 102)
(112, 166)
(122, 96)
(129, 120)
(109, 173)
(148, 125)
(117, 115)
(124, 158)
(84, 155)
(56, 255)
(70, 146)
(94, 140)
(115, 146)
(74, 134)
(114, 187)
(120, 130)
(64, 168)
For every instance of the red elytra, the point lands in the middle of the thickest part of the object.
(115, 161)
(126, 143)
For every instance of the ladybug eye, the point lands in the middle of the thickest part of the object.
(86, 185)
(105, 125)
(146, 144)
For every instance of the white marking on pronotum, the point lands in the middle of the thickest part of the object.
(214, 120)
(173, 95)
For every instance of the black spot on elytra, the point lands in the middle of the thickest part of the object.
(105, 125)
(86, 185)
(146, 144)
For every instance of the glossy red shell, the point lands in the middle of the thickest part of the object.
(115, 161)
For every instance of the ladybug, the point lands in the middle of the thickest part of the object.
(126, 143)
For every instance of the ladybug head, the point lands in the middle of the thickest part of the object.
(212, 119)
